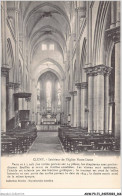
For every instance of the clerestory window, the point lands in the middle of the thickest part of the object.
(44, 47)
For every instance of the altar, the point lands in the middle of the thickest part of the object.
(48, 119)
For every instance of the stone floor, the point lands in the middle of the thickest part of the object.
(46, 142)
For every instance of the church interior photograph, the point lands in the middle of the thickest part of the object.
(60, 77)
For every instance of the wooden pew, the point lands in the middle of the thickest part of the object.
(17, 141)
(76, 140)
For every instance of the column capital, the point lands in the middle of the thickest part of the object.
(111, 99)
(80, 9)
(4, 71)
(98, 70)
(111, 103)
(114, 34)
(82, 12)
(11, 85)
(78, 85)
(84, 85)
(28, 99)
(73, 93)
(16, 85)
(68, 98)
(17, 10)
(14, 9)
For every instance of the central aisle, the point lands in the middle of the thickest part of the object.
(46, 142)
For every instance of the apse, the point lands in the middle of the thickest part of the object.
(48, 96)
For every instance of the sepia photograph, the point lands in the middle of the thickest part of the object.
(60, 89)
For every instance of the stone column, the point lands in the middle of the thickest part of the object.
(16, 101)
(68, 99)
(71, 62)
(24, 59)
(90, 74)
(114, 34)
(84, 104)
(90, 33)
(17, 41)
(16, 90)
(77, 45)
(35, 103)
(4, 68)
(67, 112)
(64, 103)
(117, 89)
(31, 109)
(95, 98)
(3, 32)
(100, 101)
(106, 112)
(16, 87)
(72, 107)
(113, 12)
(117, 73)
(53, 96)
(78, 85)
(110, 118)
(102, 72)
(61, 97)
(118, 6)
(4, 72)
(87, 20)
(90, 102)
(75, 108)
(32, 101)
(10, 100)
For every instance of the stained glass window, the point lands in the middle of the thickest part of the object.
(48, 93)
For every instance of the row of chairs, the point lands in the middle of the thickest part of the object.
(77, 140)
(17, 142)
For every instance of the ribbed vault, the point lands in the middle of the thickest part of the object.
(46, 23)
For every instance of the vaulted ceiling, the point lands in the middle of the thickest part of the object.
(45, 23)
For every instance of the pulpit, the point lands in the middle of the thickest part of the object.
(23, 120)
(22, 117)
